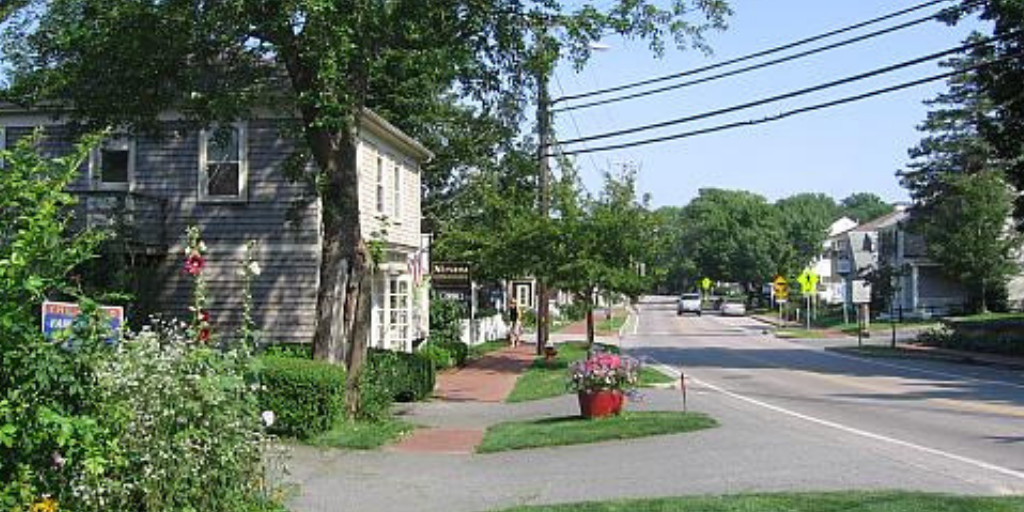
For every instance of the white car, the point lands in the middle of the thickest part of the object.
(734, 309)
(689, 303)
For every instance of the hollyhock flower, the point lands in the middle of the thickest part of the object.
(194, 264)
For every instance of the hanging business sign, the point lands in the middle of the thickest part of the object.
(57, 316)
(451, 280)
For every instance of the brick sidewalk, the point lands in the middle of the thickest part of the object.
(489, 379)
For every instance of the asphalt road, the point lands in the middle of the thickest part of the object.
(936, 416)
(793, 416)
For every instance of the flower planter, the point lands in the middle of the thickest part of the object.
(595, 404)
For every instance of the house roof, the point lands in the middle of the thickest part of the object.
(369, 120)
(884, 221)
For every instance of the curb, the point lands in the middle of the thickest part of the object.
(932, 354)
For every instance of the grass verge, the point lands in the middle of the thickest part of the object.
(611, 325)
(799, 502)
(478, 351)
(547, 379)
(356, 435)
(518, 435)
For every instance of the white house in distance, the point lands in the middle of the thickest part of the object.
(830, 283)
(233, 187)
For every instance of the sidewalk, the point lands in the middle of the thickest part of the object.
(487, 380)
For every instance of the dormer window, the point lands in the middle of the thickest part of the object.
(223, 163)
(112, 164)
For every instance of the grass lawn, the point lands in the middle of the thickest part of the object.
(802, 502)
(800, 334)
(478, 351)
(611, 325)
(548, 379)
(361, 435)
(518, 435)
(986, 317)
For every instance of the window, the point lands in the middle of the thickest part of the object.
(380, 184)
(397, 185)
(112, 164)
(223, 163)
(398, 313)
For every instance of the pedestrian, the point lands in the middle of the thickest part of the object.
(515, 318)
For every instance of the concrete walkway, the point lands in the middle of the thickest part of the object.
(488, 380)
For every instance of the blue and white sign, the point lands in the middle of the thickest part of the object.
(58, 316)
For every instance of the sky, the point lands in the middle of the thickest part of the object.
(852, 148)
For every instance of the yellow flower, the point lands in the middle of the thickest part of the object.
(47, 504)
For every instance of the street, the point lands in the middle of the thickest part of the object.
(793, 418)
(968, 421)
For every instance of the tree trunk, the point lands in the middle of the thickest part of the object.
(343, 292)
(590, 320)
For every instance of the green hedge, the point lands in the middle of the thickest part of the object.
(306, 396)
(408, 377)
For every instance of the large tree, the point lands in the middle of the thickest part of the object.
(968, 232)
(732, 235)
(863, 207)
(1001, 80)
(953, 141)
(805, 220)
(962, 204)
(598, 244)
(123, 63)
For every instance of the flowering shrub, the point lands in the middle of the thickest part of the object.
(603, 371)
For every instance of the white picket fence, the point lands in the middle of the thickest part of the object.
(475, 332)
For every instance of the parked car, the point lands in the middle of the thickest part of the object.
(730, 308)
(689, 303)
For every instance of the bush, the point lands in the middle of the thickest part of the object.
(458, 350)
(438, 355)
(307, 396)
(446, 320)
(574, 312)
(292, 350)
(407, 377)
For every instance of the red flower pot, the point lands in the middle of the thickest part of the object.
(595, 404)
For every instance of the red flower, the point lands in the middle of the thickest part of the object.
(204, 334)
(194, 264)
(204, 317)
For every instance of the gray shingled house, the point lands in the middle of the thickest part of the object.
(229, 181)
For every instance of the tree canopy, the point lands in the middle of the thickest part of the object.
(123, 63)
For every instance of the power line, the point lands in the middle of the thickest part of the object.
(790, 113)
(572, 118)
(752, 67)
(751, 56)
(788, 95)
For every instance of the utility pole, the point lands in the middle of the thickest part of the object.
(544, 182)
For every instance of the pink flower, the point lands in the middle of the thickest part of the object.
(194, 264)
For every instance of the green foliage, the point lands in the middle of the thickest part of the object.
(38, 253)
(863, 207)
(732, 236)
(805, 219)
(154, 422)
(575, 311)
(307, 396)
(966, 229)
(446, 317)
(438, 355)
(1000, 81)
(406, 376)
(295, 350)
